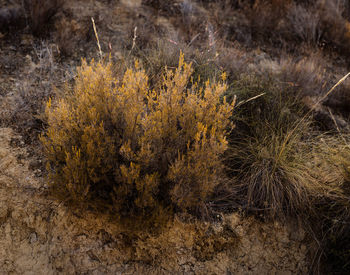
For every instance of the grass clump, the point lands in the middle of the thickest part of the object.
(132, 150)
(271, 154)
(283, 168)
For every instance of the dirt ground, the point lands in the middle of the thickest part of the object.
(41, 236)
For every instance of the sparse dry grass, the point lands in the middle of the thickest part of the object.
(25, 108)
(268, 157)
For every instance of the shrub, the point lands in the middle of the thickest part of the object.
(305, 24)
(122, 146)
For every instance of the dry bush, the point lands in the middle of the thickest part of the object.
(123, 146)
(304, 24)
(284, 23)
(318, 23)
(40, 13)
(275, 22)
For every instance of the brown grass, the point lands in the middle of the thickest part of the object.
(272, 154)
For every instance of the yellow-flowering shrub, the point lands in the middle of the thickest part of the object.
(132, 148)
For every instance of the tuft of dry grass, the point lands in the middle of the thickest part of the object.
(306, 75)
(270, 174)
(272, 156)
(282, 167)
(206, 63)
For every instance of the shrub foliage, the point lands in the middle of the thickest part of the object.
(134, 149)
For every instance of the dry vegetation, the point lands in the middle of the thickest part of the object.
(134, 149)
(155, 140)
